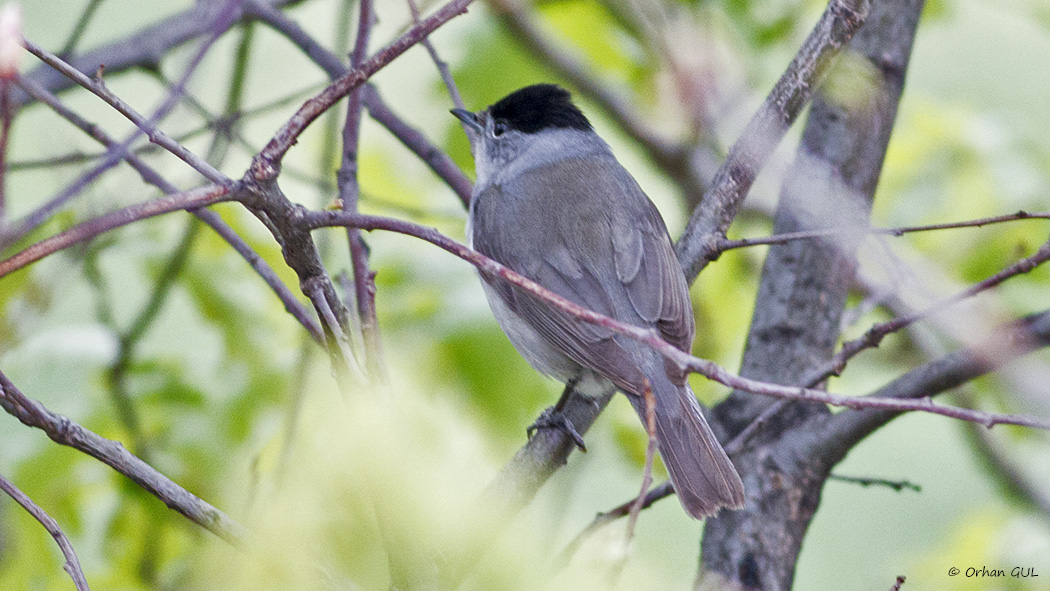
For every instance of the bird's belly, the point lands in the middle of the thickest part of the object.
(541, 355)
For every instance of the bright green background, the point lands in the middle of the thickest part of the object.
(219, 371)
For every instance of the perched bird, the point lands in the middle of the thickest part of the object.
(552, 203)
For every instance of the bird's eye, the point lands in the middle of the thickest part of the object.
(498, 128)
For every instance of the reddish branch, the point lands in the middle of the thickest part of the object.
(152, 177)
(192, 199)
(268, 162)
(683, 360)
(412, 138)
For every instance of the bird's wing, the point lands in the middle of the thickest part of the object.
(555, 226)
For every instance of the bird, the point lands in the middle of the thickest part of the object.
(553, 203)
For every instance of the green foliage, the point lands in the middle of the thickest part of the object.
(357, 492)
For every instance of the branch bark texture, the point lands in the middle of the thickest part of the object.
(799, 308)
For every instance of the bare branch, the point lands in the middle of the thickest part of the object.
(412, 138)
(266, 164)
(80, 28)
(72, 565)
(895, 485)
(151, 176)
(728, 244)
(647, 473)
(349, 193)
(441, 65)
(712, 217)
(838, 433)
(64, 431)
(874, 335)
(192, 199)
(143, 49)
(418, 144)
(99, 89)
(265, 200)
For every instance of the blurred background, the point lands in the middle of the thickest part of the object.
(223, 392)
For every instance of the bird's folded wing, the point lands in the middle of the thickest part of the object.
(595, 239)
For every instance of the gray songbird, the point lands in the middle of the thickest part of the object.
(552, 203)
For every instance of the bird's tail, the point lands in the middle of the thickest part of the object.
(702, 474)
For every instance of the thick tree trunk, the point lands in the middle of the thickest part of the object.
(800, 303)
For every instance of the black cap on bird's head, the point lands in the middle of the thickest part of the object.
(531, 110)
(538, 107)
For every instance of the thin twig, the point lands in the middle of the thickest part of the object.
(72, 565)
(728, 244)
(79, 28)
(660, 491)
(409, 136)
(340, 338)
(266, 164)
(418, 144)
(143, 49)
(874, 335)
(895, 485)
(647, 479)
(155, 135)
(192, 199)
(64, 431)
(666, 489)
(213, 220)
(119, 151)
(441, 65)
(223, 21)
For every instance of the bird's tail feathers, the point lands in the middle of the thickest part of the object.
(702, 474)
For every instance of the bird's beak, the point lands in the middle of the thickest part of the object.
(469, 119)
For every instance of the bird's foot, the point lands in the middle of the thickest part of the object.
(552, 418)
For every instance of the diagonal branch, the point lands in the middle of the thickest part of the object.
(143, 49)
(72, 565)
(412, 138)
(64, 431)
(874, 335)
(117, 152)
(193, 199)
(266, 164)
(99, 89)
(699, 242)
(838, 433)
(786, 237)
